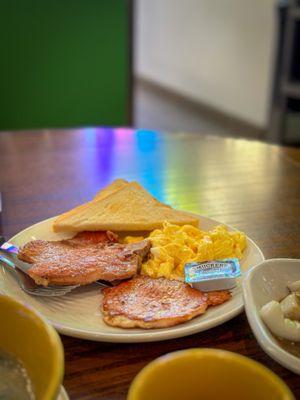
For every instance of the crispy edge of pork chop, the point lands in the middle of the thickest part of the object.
(217, 297)
(123, 320)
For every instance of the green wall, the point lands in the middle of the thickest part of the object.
(64, 63)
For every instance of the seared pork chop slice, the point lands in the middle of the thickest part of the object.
(144, 302)
(217, 297)
(81, 260)
(43, 249)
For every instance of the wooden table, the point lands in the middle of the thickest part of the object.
(251, 185)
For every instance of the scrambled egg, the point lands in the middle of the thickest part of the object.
(173, 246)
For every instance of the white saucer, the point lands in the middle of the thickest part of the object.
(263, 283)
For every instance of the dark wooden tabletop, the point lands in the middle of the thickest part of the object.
(248, 184)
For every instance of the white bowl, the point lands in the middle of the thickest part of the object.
(265, 282)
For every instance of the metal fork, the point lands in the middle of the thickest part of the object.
(20, 271)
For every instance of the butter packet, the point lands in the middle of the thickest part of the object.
(213, 275)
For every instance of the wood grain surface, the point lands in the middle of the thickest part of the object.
(248, 184)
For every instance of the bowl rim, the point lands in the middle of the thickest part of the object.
(264, 337)
(218, 354)
(55, 380)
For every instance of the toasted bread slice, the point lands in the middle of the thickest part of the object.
(130, 208)
(117, 184)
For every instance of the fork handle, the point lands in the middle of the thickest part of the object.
(8, 252)
(8, 263)
(8, 247)
(13, 259)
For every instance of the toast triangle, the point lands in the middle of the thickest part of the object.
(117, 184)
(130, 208)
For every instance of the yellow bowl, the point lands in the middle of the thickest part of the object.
(207, 374)
(26, 335)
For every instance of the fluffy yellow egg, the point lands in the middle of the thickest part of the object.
(173, 246)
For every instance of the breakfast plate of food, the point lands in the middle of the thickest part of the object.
(139, 248)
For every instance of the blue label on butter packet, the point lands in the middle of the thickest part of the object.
(208, 270)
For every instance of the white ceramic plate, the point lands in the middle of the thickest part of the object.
(263, 283)
(78, 313)
(62, 394)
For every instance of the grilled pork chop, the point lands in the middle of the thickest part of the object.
(83, 259)
(217, 297)
(144, 302)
